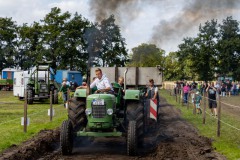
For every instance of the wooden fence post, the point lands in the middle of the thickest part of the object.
(219, 116)
(51, 111)
(179, 97)
(204, 107)
(194, 105)
(176, 93)
(25, 113)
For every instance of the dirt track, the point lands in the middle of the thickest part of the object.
(173, 138)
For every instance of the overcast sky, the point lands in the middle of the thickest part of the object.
(163, 22)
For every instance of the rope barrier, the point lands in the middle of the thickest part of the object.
(29, 115)
(214, 117)
(230, 105)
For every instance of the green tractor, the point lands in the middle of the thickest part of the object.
(105, 115)
(41, 83)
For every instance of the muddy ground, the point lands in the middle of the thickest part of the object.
(172, 138)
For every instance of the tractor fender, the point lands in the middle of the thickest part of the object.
(132, 94)
(80, 93)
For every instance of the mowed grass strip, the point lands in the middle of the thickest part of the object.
(11, 111)
(228, 143)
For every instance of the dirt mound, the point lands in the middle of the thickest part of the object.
(45, 141)
(170, 138)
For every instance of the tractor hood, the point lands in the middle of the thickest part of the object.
(106, 97)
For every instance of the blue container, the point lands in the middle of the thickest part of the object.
(8, 73)
(72, 76)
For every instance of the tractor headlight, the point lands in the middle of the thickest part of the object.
(88, 111)
(110, 111)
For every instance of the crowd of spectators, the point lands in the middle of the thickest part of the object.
(224, 88)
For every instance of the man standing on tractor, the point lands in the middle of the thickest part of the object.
(152, 94)
(101, 82)
(152, 91)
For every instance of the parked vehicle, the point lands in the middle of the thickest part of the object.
(6, 80)
(39, 88)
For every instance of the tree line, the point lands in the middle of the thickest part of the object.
(70, 41)
(214, 52)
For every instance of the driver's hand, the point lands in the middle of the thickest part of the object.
(97, 91)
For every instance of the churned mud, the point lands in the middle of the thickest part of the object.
(171, 138)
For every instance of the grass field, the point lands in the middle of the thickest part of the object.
(228, 143)
(11, 111)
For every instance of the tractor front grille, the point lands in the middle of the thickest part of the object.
(98, 111)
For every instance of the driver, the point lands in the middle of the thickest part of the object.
(101, 82)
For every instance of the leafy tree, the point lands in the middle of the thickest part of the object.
(146, 55)
(74, 44)
(8, 42)
(229, 48)
(54, 36)
(112, 51)
(198, 55)
(173, 69)
(28, 45)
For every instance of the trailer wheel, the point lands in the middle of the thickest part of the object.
(29, 96)
(76, 113)
(55, 96)
(66, 137)
(132, 138)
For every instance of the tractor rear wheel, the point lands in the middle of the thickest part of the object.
(76, 113)
(55, 97)
(66, 137)
(135, 112)
(132, 138)
(29, 96)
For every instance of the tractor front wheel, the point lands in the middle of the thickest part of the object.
(135, 112)
(66, 137)
(76, 113)
(132, 138)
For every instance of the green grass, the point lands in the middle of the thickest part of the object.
(228, 143)
(11, 111)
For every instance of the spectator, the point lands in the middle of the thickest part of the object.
(198, 100)
(64, 89)
(237, 87)
(229, 86)
(66, 81)
(186, 90)
(212, 91)
(234, 88)
(223, 90)
(194, 85)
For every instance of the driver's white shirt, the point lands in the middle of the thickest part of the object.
(102, 83)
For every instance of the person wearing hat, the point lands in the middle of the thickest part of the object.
(198, 100)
